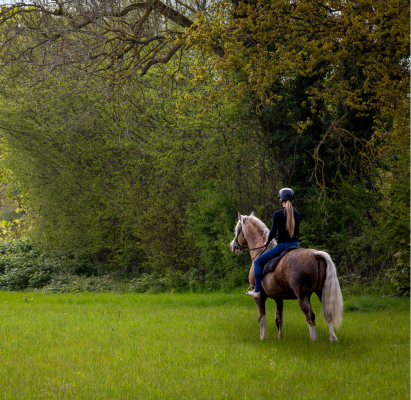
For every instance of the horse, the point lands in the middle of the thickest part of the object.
(299, 273)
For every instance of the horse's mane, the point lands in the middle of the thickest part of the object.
(260, 226)
(261, 229)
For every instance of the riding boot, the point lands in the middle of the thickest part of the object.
(254, 294)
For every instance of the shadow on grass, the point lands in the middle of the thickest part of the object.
(365, 304)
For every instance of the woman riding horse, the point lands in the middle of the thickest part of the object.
(287, 223)
(298, 275)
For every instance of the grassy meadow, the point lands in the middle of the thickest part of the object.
(197, 346)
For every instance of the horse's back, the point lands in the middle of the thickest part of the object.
(299, 273)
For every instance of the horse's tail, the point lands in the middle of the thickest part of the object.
(332, 301)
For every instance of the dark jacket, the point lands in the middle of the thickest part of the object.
(279, 220)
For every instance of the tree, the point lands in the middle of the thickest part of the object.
(356, 53)
(358, 50)
(267, 92)
(117, 180)
(107, 38)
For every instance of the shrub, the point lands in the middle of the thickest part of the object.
(339, 222)
(212, 220)
(66, 283)
(24, 266)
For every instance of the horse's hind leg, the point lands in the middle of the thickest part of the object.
(279, 303)
(333, 337)
(305, 306)
(261, 314)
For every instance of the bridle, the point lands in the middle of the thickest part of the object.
(238, 245)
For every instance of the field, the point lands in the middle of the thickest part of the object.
(197, 346)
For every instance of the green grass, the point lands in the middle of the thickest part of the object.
(196, 346)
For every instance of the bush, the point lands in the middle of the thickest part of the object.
(66, 283)
(212, 220)
(24, 266)
(340, 223)
(400, 275)
(234, 279)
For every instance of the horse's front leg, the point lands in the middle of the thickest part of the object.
(261, 314)
(279, 303)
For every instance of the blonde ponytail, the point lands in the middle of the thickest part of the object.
(290, 222)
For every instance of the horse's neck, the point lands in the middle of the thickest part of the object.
(255, 239)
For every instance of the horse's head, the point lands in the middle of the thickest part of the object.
(239, 243)
(250, 232)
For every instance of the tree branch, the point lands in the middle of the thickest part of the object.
(158, 60)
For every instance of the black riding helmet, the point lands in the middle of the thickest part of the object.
(286, 194)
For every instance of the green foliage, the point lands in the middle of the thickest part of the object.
(237, 277)
(119, 181)
(22, 266)
(400, 276)
(302, 157)
(212, 220)
(25, 267)
(394, 222)
(336, 222)
(364, 239)
(68, 283)
(155, 282)
(340, 41)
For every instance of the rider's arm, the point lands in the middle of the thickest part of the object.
(273, 230)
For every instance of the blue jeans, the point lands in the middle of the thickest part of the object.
(267, 256)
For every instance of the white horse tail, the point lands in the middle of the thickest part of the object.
(332, 301)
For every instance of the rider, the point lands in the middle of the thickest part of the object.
(286, 223)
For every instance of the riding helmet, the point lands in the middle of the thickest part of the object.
(286, 194)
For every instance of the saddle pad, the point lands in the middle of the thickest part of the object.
(270, 266)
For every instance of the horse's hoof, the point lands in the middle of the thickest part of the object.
(333, 339)
(263, 337)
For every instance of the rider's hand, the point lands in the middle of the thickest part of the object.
(265, 244)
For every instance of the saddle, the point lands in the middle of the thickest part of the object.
(270, 266)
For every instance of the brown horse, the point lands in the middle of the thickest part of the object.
(299, 273)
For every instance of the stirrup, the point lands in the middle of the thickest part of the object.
(251, 286)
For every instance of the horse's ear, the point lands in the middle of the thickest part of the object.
(239, 216)
(252, 214)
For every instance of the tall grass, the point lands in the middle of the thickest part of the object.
(196, 346)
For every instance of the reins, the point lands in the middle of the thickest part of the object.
(260, 253)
